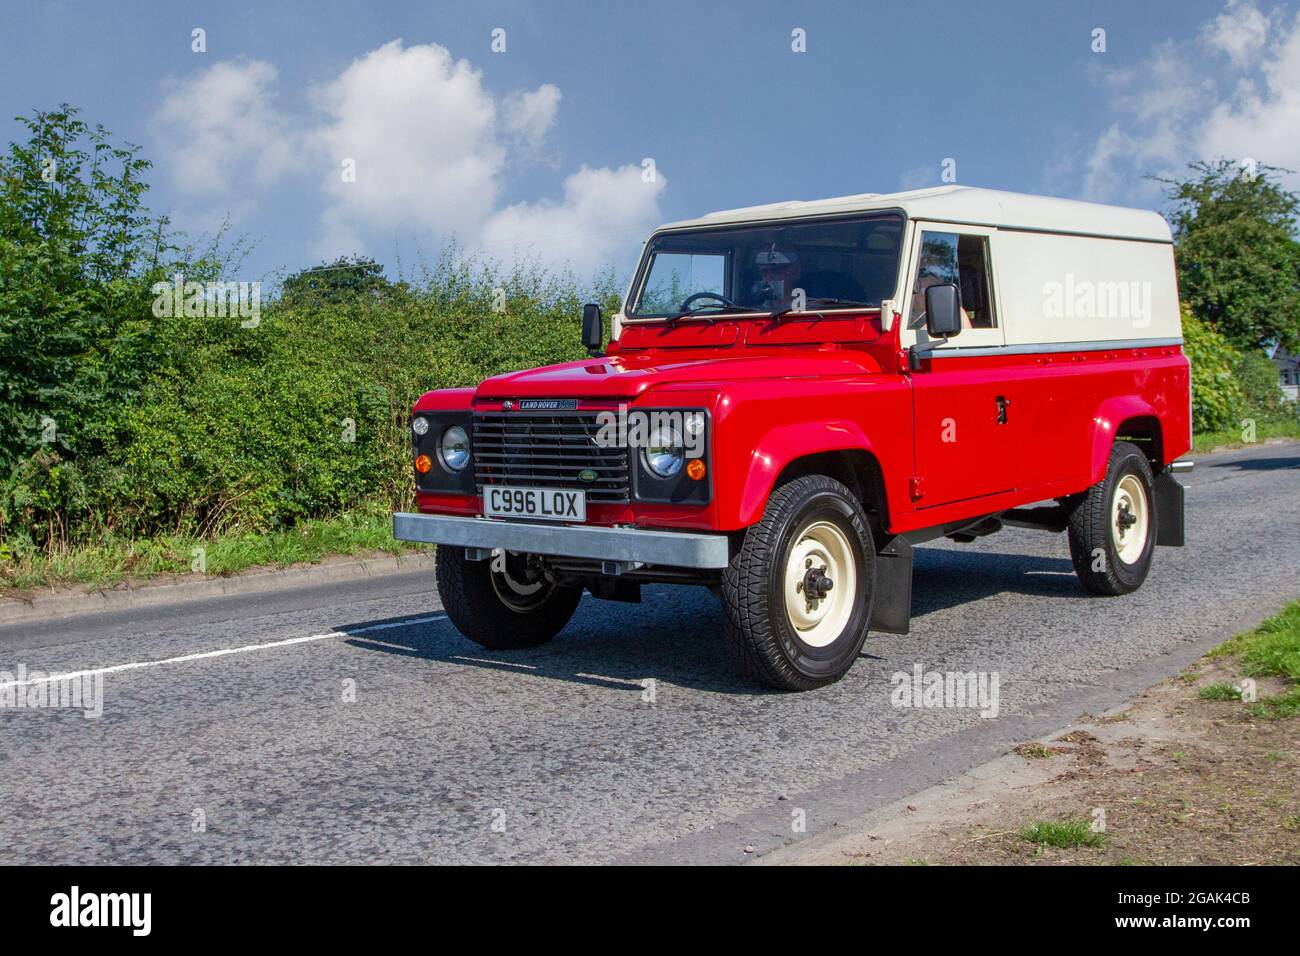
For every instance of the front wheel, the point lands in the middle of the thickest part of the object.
(502, 603)
(798, 593)
(1112, 526)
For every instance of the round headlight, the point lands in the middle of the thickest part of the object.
(664, 453)
(455, 448)
(420, 425)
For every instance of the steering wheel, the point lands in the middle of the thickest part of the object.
(690, 299)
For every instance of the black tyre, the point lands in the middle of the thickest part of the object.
(1112, 527)
(798, 593)
(505, 609)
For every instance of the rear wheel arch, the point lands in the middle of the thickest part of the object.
(1146, 433)
(1116, 419)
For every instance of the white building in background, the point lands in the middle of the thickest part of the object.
(1288, 372)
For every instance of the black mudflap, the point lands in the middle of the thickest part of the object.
(1170, 511)
(891, 609)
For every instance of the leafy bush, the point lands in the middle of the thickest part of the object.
(1258, 378)
(1218, 399)
(78, 340)
(303, 416)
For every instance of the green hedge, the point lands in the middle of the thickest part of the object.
(303, 416)
(1218, 399)
(1230, 386)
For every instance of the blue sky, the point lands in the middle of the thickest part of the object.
(538, 151)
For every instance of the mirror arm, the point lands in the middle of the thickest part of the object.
(916, 351)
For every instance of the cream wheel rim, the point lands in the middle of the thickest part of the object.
(515, 594)
(821, 580)
(1130, 519)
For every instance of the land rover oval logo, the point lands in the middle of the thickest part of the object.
(586, 475)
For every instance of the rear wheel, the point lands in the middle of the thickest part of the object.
(1112, 527)
(502, 603)
(798, 593)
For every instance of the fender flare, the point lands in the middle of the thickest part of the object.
(785, 443)
(1105, 425)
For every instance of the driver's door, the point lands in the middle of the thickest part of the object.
(964, 420)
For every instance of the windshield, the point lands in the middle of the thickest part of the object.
(771, 267)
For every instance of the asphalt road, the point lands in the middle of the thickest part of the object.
(451, 754)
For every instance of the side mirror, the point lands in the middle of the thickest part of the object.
(593, 328)
(942, 311)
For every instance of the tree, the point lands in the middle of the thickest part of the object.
(344, 278)
(1238, 260)
(78, 252)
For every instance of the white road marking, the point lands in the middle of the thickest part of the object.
(244, 649)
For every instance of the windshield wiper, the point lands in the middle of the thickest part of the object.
(705, 313)
(823, 300)
(828, 300)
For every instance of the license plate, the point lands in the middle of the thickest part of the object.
(546, 504)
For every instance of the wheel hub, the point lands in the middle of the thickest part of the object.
(519, 585)
(1125, 518)
(815, 584)
(820, 583)
(1131, 519)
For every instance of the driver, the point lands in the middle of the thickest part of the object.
(778, 271)
(924, 282)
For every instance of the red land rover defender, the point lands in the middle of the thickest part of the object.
(796, 394)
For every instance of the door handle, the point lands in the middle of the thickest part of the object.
(1002, 409)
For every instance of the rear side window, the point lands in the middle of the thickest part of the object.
(949, 257)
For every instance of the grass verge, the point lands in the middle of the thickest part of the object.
(1232, 437)
(1062, 834)
(1192, 771)
(1270, 650)
(113, 560)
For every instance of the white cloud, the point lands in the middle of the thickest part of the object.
(1102, 179)
(422, 132)
(1240, 31)
(223, 131)
(430, 146)
(1231, 92)
(601, 209)
(529, 115)
(915, 177)
(1263, 120)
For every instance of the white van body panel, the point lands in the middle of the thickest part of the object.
(1064, 271)
(1058, 288)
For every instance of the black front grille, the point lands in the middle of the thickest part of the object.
(549, 451)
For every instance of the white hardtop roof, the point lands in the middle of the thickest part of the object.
(965, 204)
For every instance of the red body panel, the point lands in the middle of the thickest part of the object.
(779, 391)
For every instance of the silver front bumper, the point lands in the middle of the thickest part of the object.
(678, 549)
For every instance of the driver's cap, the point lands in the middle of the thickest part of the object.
(775, 255)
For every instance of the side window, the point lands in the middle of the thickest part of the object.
(948, 257)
